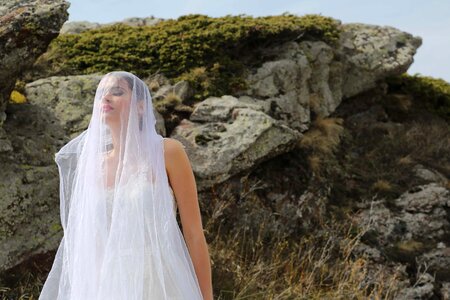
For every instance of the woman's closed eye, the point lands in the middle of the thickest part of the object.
(116, 91)
(112, 91)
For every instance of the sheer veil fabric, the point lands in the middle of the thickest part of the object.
(121, 238)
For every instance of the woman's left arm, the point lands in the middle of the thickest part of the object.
(184, 187)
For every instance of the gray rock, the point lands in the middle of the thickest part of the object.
(29, 185)
(70, 98)
(422, 289)
(422, 217)
(371, 53)
(219, 109)
(413, 230)
(283, 83)
(219, 150)
(430, 198)
(437, 262)
(373, 254)
(430, 175)
(326, 78)
(134, 21)
(182, 89)
(76, 27)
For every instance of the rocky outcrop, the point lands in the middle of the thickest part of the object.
(414, 229)
(80, 26)
(310, 77)
(29, 184)
(26, 29)
(304, 79)
(417, 223)
(230, 136)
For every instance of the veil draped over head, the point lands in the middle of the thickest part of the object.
(121, 237)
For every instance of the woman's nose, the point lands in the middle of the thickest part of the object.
(106, 97)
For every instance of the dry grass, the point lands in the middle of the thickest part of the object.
(172, 99)
(169, 101)
(154, 85)
(405, 160)
(315, 163)
(428, 143)
(381, 159)
(27, 290)
(313, 267)
(402, 102)
(320, 265)
(323, 136)
(321, 141)
(381, 185)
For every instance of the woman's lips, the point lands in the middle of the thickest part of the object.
(106, 107)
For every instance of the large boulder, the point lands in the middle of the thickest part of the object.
(312, 78)
(26, 29)
(29, 184)
(225, 136)
(371, 53)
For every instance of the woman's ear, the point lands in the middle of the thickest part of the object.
(140, 106)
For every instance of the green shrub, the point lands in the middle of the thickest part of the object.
(177, 48)
(433, 93)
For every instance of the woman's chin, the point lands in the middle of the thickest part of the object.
(112, 119)
(109, 120)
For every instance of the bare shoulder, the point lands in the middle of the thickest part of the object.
(172, 145)
(173, 151)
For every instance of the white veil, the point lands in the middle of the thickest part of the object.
(121, 237)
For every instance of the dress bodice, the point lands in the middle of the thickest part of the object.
(132, 187)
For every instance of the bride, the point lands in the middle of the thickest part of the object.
(120, 186)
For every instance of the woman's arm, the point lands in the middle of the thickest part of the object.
(184, 187)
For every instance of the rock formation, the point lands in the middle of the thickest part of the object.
(227, 138)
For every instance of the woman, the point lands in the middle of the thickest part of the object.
(120, 186)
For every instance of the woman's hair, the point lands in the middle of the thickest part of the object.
(135, 84)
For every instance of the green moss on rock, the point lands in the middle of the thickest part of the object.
(218, 47)
(433, 93)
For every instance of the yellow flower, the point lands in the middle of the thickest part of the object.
(17, 97)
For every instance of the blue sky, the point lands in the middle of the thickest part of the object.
(428, 19)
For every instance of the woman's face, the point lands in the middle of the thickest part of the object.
(115, 101)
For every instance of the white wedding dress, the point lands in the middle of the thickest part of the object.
(174, 280)
(177, 282)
